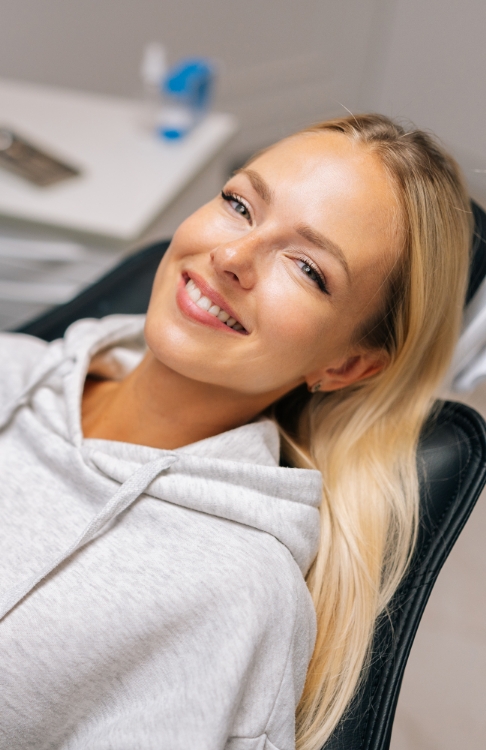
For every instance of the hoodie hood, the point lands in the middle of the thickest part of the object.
(233, 476)
(280, 501)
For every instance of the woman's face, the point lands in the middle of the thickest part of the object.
(296, 249)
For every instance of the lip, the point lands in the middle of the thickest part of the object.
(189, 307)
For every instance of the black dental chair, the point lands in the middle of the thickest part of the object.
(452, 468)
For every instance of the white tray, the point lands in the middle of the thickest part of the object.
(128, 175)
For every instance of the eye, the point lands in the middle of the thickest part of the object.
(313, 273)
(237, 204)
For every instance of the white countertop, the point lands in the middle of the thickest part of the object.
(128, 175)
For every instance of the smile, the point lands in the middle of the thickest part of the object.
(199, 305)
(206, 304)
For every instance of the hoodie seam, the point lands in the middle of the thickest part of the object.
(269, 745)
(287, 658)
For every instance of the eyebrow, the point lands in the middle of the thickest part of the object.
(324, 243)
(305, 231)
(258, 183)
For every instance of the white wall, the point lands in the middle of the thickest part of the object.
(284, 62)
(431, 68)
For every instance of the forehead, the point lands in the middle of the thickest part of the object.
(331, 167)
(339, 187)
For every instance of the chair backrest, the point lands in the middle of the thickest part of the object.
(452, 471)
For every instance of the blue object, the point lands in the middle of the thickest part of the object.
(187, 91)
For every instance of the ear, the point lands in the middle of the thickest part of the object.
(353, 369)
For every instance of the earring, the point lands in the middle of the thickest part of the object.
(314, 388)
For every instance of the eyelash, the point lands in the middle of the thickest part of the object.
(320, 280)
(237, 199)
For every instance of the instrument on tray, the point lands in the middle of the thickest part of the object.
(30, 162)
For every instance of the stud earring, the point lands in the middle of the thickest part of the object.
(314, 388)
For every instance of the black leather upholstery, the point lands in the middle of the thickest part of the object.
(125, 289)
(452, 469)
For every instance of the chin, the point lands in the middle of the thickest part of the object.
(183, 353)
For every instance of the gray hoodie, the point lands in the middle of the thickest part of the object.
(149, 599)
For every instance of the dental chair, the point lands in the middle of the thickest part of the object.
(451, 461)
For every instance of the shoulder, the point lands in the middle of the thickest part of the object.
(19, 354)
(292, 611)
(285, 587)
(281, 646)
(272, 594)
(292, 634)
(252, 581)
(272, 597)
(21, 347)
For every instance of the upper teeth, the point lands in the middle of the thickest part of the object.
(205, 304)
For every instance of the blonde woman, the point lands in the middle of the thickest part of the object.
(172, 575)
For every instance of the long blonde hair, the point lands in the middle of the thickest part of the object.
(363, 439)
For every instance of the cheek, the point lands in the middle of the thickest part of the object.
(189, 239)
(298, 328)
(200, 232)
(189, 236)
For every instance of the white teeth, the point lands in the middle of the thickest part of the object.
(194, 293)
(204, 303)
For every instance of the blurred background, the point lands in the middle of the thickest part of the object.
(283, 64)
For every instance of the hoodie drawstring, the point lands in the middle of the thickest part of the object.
(129, 491)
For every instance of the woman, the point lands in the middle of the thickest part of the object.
(153, 550)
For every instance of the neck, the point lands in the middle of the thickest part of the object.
(158, 407)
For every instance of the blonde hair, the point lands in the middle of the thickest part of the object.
(363, 438)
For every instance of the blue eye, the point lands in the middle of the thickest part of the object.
(313, 274)
(237, 205)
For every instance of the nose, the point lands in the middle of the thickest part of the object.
(237, 260)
